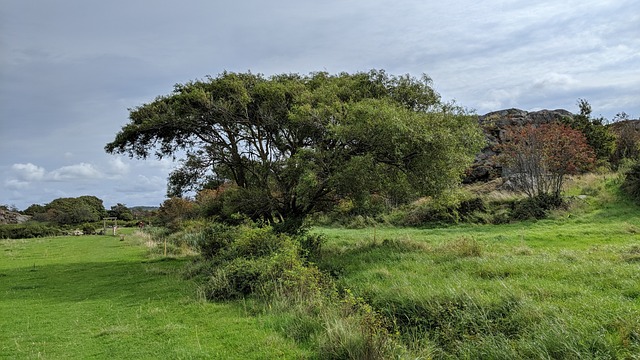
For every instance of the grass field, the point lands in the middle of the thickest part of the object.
(95, 297)
(563, 288)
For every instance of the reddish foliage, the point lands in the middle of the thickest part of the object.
(540, 157)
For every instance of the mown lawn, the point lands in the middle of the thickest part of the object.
(95, 297)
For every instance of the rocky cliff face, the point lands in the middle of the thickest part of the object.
(625, 126)
(10, 217)
(494, 125)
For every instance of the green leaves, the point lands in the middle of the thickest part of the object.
(301, 141)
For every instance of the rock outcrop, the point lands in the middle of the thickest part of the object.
(494, 125)
(12, 217)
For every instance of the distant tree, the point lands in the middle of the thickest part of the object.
(539, 158)
(34, 209)
(597, 134)
(11, 208)
(75, 210)
(291, 143)
(175, 210)
(120, 211)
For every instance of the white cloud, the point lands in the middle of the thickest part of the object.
(75, 172)
(165, 164)
(29, 172)
(142, 184)
(15, 184)
(118, 167)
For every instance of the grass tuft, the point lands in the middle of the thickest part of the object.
(463, 246)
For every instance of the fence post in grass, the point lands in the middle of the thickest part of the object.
(114, 226)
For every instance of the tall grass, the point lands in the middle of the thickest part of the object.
(566, 287)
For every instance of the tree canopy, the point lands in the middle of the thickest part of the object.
(66, 211)
(296, 143)
(120, 211)
(596, 133)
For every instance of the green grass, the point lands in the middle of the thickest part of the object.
(563, 288)
(567, 287)
(101, 298)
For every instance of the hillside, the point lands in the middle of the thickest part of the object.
(12, 217)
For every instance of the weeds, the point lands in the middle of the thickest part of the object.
(462, 247)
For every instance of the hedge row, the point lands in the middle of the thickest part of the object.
(27, 231)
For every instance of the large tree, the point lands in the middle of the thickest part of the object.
(294, 143)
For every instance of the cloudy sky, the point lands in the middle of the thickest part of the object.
(70, 69)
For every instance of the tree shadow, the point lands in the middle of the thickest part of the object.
(116, 280)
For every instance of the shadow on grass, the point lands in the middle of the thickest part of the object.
(130, 280)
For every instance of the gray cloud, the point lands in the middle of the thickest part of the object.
(70, 69)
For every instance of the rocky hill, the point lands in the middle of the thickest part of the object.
(11, 217)
(494, 125)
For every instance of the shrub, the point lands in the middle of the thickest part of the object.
(89, 229)
(28, 230)
(535, 207)
(253, 242)
(631, 184)
(310, 245)
(452, 209)
(538, 159)
(258, 261)
(214, 239)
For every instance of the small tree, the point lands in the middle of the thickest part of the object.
(539, 158)
(75, 210)
(596, 133)
(175, 210)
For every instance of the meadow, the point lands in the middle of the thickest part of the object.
(566, 287)
(95, 297)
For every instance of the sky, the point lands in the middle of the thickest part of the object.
(71, 69)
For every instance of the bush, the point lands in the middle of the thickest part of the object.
(457, 208)
(535, 207)
(310, 245)
(258, 261)
(631, 184)
(28, 230)
(89, 229)
(214, 239)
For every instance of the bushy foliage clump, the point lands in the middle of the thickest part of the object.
(596, 133)
(536, 207)
(28, 230)
(253, 261)
(631, 184)
(250, 261)
(447, 210)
